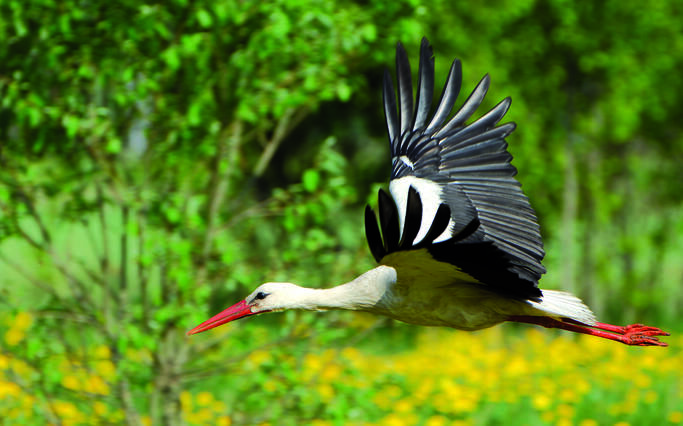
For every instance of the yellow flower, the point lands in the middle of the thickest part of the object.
(71, 382)
(27, 402)
(326, 392)
(565, 410)
(66, 410)
(106, 368)
(382, 400)
(676, 417)
(642, 381)
(23, 321)
(219, 407)
(564, 422)
(21, 368)
(13, 336)
(568, 395)
(541, 402)
(100, 408)
(312, 365)
(393, 391)
(102, 352)
(204, 399)
(423, 390)
(95, 384)
(588, 422)
(138, 355)
(9, 389)
(464, 404)
(258, 357)
(224, 421)
(437, 421)
(146, 420)
(203, 416)
(403, 406)
(351, 354)
(581, 385)
(270, 386)
(186, 400)
(331, 372)
(651, 396)
(14, 413)
(4, 362)
(395, 420)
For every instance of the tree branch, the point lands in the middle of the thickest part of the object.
(224, 166)
(285, 124)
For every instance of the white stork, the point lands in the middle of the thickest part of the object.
(459, 245)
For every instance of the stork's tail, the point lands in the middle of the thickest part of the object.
(560, 304)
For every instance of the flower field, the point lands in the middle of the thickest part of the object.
(505, 375)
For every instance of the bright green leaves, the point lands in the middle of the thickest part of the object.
(310, 180)
(204, 18)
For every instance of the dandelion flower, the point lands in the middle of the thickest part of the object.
(204, 399)
(13, 336)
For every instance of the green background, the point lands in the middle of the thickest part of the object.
(158, 161)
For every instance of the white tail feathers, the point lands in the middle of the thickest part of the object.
(561, 304)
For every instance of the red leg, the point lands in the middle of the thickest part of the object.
(634, 334)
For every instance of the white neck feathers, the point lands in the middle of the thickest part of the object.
(362, 293)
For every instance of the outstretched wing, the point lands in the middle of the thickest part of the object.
(452, 186)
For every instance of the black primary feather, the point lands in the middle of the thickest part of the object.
(388, 219)
(413, 219)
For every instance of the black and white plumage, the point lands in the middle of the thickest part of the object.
(443, 168)
(457, 241)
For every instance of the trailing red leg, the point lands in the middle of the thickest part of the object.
(634, 334)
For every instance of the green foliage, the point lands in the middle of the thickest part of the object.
(157, 161)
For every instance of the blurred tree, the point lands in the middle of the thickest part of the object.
(131, 138)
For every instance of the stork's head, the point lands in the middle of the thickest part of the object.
(267, 297)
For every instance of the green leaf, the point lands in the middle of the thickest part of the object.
(204, 18)
(113, 146)
(71, 124)
(343, 91)
(171, 57)
(310, 180)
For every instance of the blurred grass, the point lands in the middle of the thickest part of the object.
(504, 375)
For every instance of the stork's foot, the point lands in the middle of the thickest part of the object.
(641, 335)
(634, 334)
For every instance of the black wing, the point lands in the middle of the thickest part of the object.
(453, 190)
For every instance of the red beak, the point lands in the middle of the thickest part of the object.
(236, 311)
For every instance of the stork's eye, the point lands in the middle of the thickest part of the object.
(260, 296)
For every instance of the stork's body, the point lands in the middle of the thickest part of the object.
(457, 241)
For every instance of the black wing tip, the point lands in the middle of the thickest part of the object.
(401, 53)
(372, 234)
(388, 220)
(486, 79)
(426, 49)
(389, 100)
(412, 220)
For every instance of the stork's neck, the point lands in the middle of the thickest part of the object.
(363, 293)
